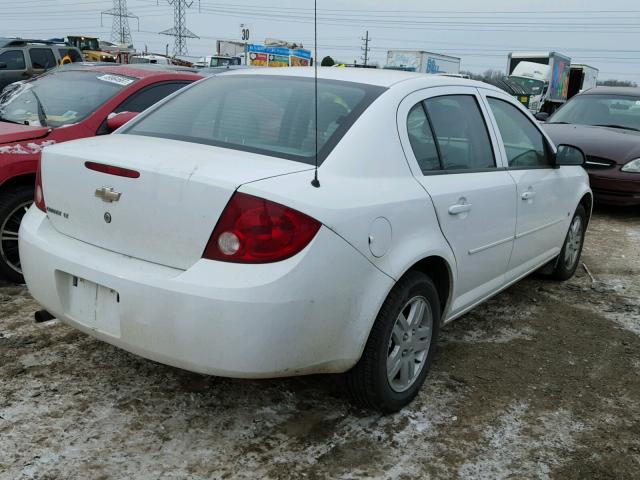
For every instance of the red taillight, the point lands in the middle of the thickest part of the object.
(111, 170)
(255, 230)
(39, 194)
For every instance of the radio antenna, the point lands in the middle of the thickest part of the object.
(315, 182)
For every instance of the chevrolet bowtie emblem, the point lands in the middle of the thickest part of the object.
(108, 194)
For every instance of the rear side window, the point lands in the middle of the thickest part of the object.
(72, 53)
(461, 133)
(42, 58)
(271, 115)
(523, 142)
(13, 59)
(148, 96)
(421, 138)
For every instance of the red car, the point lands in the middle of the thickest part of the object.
(65, 104)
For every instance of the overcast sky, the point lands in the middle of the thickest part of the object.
(604, 34)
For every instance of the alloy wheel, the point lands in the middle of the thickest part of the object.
(574, 243)
(9, 236)
(409, 343)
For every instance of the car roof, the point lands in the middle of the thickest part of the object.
(370, 76)
(27, 42)
(635, 91)
(137, 70)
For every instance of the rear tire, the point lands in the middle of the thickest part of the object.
(400, 348)
(14, 203)
(569, 258)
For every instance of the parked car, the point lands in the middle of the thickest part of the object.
(198, 236)
(605, 123)
(150, 59)
(68, 103)
(21, 59)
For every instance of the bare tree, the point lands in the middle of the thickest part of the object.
(617, 83)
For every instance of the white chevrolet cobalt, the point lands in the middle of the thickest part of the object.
(197, 235)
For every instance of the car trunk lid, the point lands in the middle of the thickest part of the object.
(165, 215)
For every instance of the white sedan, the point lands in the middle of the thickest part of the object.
(197, 236)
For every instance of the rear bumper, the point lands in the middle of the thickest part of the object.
(308, 314)
(617, 188)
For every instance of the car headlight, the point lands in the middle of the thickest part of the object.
(633, 166)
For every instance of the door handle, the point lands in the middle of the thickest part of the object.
(459, 208)
(528, 195)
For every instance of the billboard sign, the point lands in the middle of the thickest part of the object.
(262, 56)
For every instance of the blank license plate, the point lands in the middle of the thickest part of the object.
(94, 306)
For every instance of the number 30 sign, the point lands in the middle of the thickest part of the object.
(245, 32)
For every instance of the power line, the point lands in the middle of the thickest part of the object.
(120, 32)
(180, 31)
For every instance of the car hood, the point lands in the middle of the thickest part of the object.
(13, 132)
(614, 144)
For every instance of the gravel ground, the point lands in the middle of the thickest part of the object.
(543, 381)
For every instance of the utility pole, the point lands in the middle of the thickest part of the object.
(180, 31)
(120, 32)
(365, 48)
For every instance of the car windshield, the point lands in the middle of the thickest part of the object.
(605, 110)
(530, 85)
(49, 100)
(84, 43)
(267, 114)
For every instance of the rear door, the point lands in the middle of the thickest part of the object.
(543, 200)
(454, 157)
(42, 59)
(13, 67)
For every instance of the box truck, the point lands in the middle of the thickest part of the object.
(424, 62)
(544, 75)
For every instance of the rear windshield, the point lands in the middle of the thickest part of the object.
(271, 115)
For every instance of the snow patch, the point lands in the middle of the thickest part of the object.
(504, 335)
(30, 148)
(625, 309)
(523, 448)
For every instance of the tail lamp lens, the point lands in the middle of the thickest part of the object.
(255, 230)
(39, 194)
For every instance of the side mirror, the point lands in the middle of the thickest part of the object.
(569, 155)
(116, 120)
(3, 65)
(542, 116)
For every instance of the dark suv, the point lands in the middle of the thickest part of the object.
(21, 59)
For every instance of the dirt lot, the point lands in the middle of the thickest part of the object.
(543, 381)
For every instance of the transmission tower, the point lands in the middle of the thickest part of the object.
(365, 48)
(120, 32)
(180, 31)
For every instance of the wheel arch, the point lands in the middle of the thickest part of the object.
(24, 179)
(441, 272)
(587, 202)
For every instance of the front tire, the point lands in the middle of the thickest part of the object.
(569, 257)
(14, 203)
(400, 348)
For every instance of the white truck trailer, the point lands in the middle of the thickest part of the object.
(581, 78)
(420, 61)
